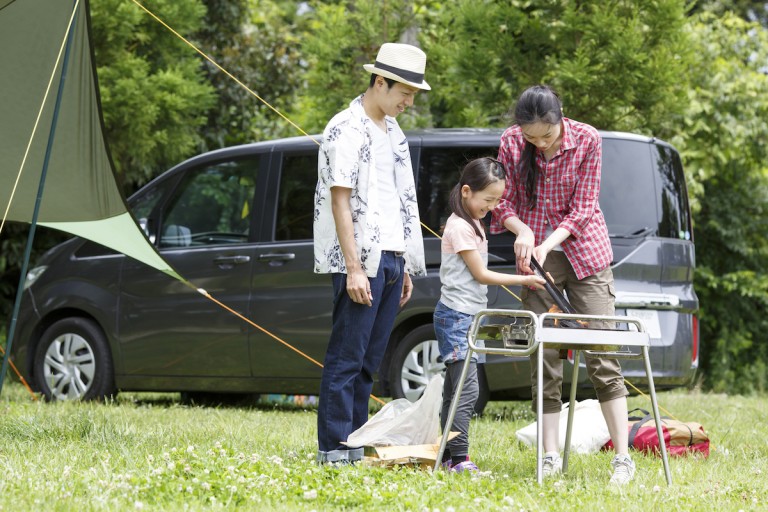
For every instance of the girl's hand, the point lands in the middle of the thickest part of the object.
(535, 282)
(524, 249)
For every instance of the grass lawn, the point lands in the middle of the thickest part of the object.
(150, 452)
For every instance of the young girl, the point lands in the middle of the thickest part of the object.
(551, 204)
(464, 276)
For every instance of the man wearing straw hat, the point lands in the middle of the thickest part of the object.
(367, 235)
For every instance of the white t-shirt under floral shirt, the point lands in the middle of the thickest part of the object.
(347, 159)
(391, 224)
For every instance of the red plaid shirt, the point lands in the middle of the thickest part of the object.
(568, 187)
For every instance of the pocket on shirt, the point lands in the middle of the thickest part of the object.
(566, 185)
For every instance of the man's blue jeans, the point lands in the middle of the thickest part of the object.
(358, 340)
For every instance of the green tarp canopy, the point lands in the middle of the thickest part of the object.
(81, 195)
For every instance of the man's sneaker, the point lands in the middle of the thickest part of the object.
(446, 464)
(341, 463)
(623, 470)
(552, 465)
(466, 466)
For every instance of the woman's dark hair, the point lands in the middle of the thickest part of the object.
(537, 104)
(478, 174)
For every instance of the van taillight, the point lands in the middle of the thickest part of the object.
(695, 351)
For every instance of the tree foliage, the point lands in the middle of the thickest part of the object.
(749, 10)
(153, 94)
(341, 37)
(722, 141)
(617, 64)
(258, 42)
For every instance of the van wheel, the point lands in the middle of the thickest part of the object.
(416, 360)
(73, 362)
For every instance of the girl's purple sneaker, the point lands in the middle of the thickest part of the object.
(467, 465)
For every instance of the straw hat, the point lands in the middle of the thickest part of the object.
(401, 62)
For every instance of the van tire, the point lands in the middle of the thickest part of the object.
(73, 362)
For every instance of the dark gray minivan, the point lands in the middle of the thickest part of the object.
(238, 223)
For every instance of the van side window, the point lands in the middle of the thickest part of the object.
(675, 212)
(212, 206)
(146, 200)
(298, 179)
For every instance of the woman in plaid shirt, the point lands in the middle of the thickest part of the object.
(551, 204)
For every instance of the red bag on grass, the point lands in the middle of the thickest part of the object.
(680, 438)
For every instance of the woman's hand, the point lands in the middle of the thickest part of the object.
(540, 253)
(555, 239)
(524, 249)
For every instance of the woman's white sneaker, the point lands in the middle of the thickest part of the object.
(552, 465)
(623, 470)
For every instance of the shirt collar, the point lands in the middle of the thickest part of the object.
(568, 142)
(356, 106)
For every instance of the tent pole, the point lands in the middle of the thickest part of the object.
(38, 200)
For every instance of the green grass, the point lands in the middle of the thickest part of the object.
(149, 452)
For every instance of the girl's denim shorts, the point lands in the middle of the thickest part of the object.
(451, 328)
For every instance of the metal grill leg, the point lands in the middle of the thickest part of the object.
(571, 408)
(540, 414)
(656, 415)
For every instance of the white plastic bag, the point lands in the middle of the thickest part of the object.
(589, 431)
(403, 423)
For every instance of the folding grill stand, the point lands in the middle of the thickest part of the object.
(524, 333)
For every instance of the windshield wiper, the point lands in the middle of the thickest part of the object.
(640, 233)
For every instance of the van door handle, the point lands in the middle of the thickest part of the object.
(277, 256)
(230, 261)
